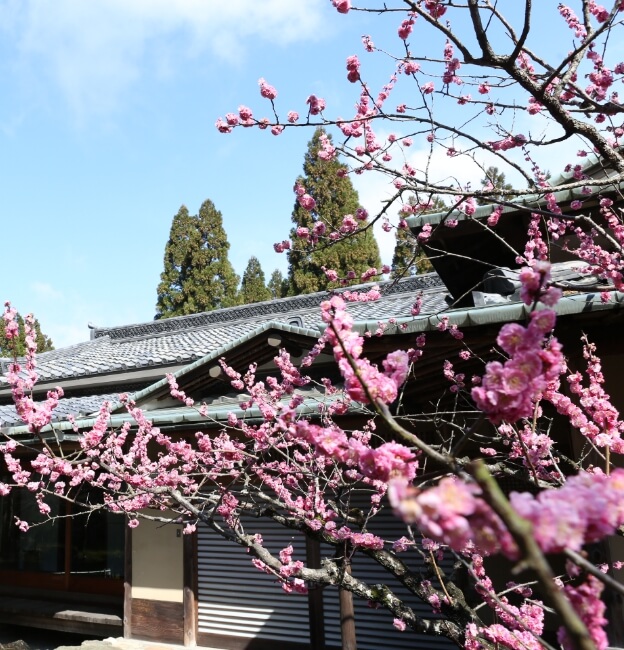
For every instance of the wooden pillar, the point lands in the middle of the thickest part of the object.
(69, 519)
(315, 598)
(347, 615)
(190, 589)
(127, 605)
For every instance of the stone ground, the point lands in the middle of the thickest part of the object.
(13, 637)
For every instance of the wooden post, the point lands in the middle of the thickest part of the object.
(67, 524)
(127, 605)
(347, 615)
(190, 589)
(315, 598)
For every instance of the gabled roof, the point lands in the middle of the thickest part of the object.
(259, 346)
(260, 343)
(150, 349)
(134, 358)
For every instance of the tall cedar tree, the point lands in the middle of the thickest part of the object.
(278, 285)
(497, 179)
(253, 286)
(18, 345)
(335, 197)
(408, 259)
(198, 275)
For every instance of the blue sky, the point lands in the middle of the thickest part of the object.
(107, 127)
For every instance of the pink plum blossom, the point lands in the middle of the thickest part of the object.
(266, 90)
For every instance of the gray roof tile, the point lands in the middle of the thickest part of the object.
(76, 406)
(186, 338)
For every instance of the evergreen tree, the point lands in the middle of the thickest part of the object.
(253, 287)
(493, 180)
(198, 275)
(335, 197)
(18, 345)
(278, 285)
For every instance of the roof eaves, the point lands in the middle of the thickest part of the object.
(279, 309)
(178, 417)
(492, 314)
(217, 354)
(524, 204)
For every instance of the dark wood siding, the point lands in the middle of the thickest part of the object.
(157, 620)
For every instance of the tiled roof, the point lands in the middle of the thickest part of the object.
(76, 406)
(218, 409)
(200, 337)
(186, 338)
(306, 305)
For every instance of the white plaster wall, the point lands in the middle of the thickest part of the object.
(157, 562)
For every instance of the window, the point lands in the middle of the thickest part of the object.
(75, 548)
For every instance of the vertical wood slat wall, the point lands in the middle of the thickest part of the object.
(237, 602)
(374, 627)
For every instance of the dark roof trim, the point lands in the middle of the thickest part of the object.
(573, 305)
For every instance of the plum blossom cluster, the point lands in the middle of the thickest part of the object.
(604, 262)
(22, 379)
(342, 6)
(595, 416)
(364, 382)
(388, 461)
(518, 627)
(586, 600)
(587, 508)
(452, 65)
(454, 514)
(510, 142)
(509, 391)
(353, 68)
(306, 201)
(532, 447)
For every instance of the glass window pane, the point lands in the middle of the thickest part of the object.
(97, 543)
(42, 548)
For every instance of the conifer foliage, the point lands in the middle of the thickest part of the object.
(335, 197)
(197, 275)
(253, 286)
(278, 285)
(17, 346)
(493, 180)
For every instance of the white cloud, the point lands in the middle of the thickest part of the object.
(95, 50)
